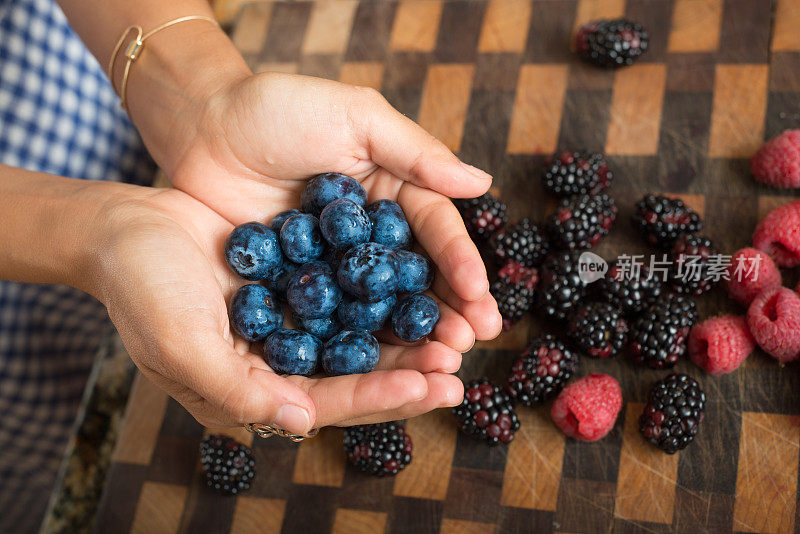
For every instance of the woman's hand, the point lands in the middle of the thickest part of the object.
(166, 286)
(249, 149)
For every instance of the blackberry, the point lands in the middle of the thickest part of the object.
(611, 43)
(630, 291)
(673, 413)
(658, 337)
(542, 371)
(581, 222)
(522, 242)
(690, 270)
(560, 285)
(486, 413)
(598, 329)
(662, 220)
(483, 215)
(228, 466)
(381, 449)
(577, 173)
(514, 291)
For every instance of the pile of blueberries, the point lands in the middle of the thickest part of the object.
(344, 269)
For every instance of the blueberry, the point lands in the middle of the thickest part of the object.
(325, 188)
(344, 223)
(292, 352)
(349, 353)
(301, 239)
(255, 312)
(369, 272)
(277, 222)
(278, 281)
(252, 251)
(333, 257)
(414, 317)
(369, 316)
(312, 291)
(414, 272)
(324, 328)
(389, 225)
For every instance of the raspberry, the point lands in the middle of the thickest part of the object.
(486, 413)
(611, 43)
(513, 290)
(542, 371)
(777, 162)
(720, 344)
(228, 466)
(661, 220)
(587, 409)
(522, 242)
(598, 329)
(750, 273)
(577, 173)
(673, 413)
(581, 222)
(381, 449)
(778, 234)
(774, 321)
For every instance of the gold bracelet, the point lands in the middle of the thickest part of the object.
(135, 48)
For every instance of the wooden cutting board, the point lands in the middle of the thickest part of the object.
(496, 81)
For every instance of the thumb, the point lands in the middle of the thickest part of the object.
(405, 149)
(238, 391)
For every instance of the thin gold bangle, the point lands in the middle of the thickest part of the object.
(135, 48)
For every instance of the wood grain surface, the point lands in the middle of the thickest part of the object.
(497, 81)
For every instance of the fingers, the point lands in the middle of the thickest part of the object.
(444, 391)
(440, 231)
(481, 314)
(428, 358)
(401, 146)
(238, 389)
(453, 329)
(342, 398)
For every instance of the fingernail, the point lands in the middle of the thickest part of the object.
(293, 418)
(476, 172)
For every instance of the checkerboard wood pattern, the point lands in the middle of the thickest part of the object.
(497, 82)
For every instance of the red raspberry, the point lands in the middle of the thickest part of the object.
(587, 409)
(779, 234)
(720, 344)
(750, 273)
(777, 162)
(774, 321)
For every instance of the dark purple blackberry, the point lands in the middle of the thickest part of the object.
(662, 220)
(514, 291)
(691, 268)
(483, 216)
(486, 413)
(522, 242)
(632, 291)
(598, 329)
(577, 173)
(381, 449)
(658, 337)
(228, 466)
(581, 222)
(673, 413)
(560, 285)
(542, 371)
(611, 43)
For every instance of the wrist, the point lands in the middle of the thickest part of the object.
(179, 72)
